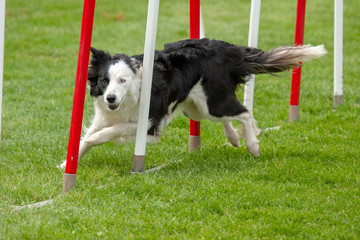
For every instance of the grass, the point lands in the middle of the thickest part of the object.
(305, 184)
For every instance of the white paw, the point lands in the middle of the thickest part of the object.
(253, 148)
(91, 141)
(257, 131)
(234, 139)
(62, 166)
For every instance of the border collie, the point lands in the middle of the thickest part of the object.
(199, 77)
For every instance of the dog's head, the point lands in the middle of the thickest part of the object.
(114, 78)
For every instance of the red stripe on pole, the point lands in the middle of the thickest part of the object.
(194, 19)
(80, 86)
(194, 34)
(299, 40)
(295, 87)
(194, 128)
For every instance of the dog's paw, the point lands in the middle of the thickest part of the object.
(62, 166)
(91, 141)
(257, 131)
(254, 148)
(234, 139)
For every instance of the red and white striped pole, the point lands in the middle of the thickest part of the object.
(294, 108)
(69, 179)
(195, 138)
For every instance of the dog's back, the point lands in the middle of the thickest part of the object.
(239, 59)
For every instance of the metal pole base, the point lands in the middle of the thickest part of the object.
(338, 100)
(69, 182)
(138, 163)
(294, 111)
(194, 143)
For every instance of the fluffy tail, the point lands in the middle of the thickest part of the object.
(284, 58)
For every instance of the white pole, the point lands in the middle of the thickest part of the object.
(2, 50)
(252, 42)
(149, 51)
(338, 53)
(202, 28)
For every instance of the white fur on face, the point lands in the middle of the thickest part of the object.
(123, 83)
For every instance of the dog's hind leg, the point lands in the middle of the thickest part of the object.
(250, 132)
(257, 130)
(231, 134)
(228, 109)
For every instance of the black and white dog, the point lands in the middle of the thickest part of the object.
(197, 76)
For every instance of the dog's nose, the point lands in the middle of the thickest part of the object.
(111, 98)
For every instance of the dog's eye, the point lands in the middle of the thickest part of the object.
(104, 81)
(122, 81)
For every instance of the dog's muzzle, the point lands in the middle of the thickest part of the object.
(111, 98)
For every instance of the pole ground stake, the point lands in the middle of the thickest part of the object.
(138, 163)
(338, 100)
(294, 111)
(69, 182)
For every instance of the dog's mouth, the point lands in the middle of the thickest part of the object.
(113, 106)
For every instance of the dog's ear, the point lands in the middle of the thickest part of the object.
(137, 65)
(99, 57)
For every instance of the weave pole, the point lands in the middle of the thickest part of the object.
(2, 51)
(252, 42)
(69, 179)
(194, 138)
(138, 164)
(338, 53)
(202, 27)
(294, 108)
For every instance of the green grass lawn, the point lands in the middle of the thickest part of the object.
(304, 185)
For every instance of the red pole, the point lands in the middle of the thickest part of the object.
(194, 19)
(296, 76)
(194, 141)
(80, 88)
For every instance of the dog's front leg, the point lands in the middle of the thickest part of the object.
(84, 147)
(109, 133)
